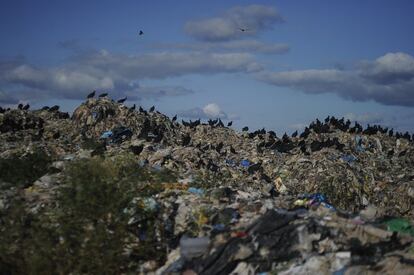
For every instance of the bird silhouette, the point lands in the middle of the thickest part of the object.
(185, 123)
(174, 118)
(230, 123)
(26, 107)
(122, 100)
(295, 134)
(254, 167)
(132, 108)
(103, 95)
(243, 29)
(152, 109)
(91, 95)
(212, 122)
(272, 133)
(136, 149)
(54, 108)
(186, 140)
(20, 106)
(285, 138)
(245, 129)
(220, 123)
(140, 32)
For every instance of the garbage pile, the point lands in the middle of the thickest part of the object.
(202, 198)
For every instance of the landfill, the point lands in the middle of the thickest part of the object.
(114, 189)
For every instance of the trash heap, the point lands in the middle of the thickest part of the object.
(170, 197)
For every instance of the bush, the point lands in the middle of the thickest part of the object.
(23, 171)
(26, 242)
(88, 231)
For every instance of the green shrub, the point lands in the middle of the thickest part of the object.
(87, 231)
(26, 241)
(23, 171)
(93, 222)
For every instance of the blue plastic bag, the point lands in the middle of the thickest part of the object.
(349, 158)
(245, 163)
(107, 134)
(197, 191)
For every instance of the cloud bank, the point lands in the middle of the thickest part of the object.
(253, 18)
(388, 80)
(116, 73)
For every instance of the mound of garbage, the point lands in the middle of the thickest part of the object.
(148, 194)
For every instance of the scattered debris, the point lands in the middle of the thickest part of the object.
(200, 198)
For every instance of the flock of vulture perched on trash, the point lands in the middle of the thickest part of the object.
(284, 145)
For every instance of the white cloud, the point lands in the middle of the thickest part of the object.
(254, 18)
(212, 110)
(388, 80)
(166, 64)
(114, 73)
(390, 68)
(209, 111)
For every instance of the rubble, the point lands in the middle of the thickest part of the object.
(146, 194)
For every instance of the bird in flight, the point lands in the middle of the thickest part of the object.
(243, 29)
(140, 32)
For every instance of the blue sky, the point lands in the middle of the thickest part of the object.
(297, 60)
